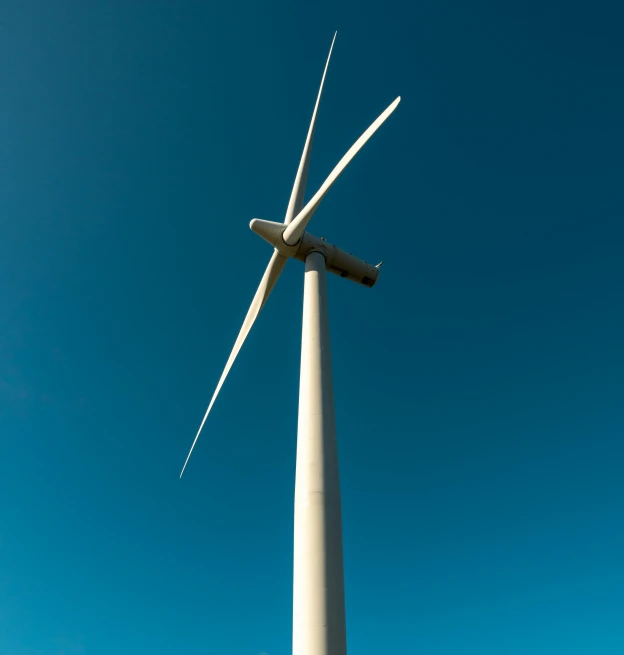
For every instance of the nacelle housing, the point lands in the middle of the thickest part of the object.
(337, 261)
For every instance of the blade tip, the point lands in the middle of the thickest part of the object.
(331, 47)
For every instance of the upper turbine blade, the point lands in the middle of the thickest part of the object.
(272, 273)
(296, 197)
(297, 227)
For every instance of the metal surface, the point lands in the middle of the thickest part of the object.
(318, 587)
(340, 262)
(319, 626)
(295, 242)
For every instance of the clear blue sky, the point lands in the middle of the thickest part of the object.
(479, 385)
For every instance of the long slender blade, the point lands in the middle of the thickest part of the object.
(272, 273)
(297, 227)
(296, 197)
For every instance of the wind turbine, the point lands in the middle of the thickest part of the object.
(319, 626)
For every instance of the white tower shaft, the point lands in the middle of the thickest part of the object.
(319, 626)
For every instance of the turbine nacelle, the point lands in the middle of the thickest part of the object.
(337, 261)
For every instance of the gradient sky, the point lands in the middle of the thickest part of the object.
(479, 385)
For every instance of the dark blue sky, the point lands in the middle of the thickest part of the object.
(479, 385)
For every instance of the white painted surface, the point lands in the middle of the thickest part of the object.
(318, 587)
(337, 261)
(318, 590)
(297, 227)
(270, 277)
(291, 240)
(298, 191)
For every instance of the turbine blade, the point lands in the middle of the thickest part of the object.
(272, 273)
(296, 197)
(297, 227)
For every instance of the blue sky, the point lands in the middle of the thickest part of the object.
(479, 385)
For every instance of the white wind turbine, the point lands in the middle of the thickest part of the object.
(318, 587)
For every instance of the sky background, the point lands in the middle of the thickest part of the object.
(479, 385)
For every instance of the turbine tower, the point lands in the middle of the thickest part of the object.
(319, 626)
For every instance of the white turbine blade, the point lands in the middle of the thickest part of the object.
(297, 227)
(273, 271)
(296, 197)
